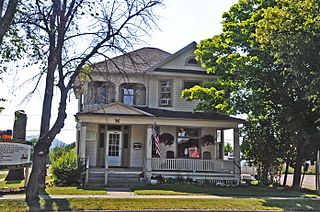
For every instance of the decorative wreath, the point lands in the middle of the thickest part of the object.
(207, 140)
(166, 138)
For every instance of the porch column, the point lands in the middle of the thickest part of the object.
(148, 168)
(221, 147)
(83, 138)
(236, 153)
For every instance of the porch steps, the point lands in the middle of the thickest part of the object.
(115, 179)
(96, 177)
(127, 180)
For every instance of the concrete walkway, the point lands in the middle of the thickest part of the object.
(128, 194)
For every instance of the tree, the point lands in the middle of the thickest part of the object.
(228, 148)
(291, 30)
(7, 11)
(102, 28)
(268, 83)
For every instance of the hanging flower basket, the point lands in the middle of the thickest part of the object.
(207, 140)
(166, 138)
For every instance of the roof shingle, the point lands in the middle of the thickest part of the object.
(189, 115)
(138, 61)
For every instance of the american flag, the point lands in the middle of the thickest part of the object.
(156, 141)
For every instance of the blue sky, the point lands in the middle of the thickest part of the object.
(180, 23)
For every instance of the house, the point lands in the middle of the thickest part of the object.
(131, 94)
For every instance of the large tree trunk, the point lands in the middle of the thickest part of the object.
(19, 133)
(264, 176)
(41, 150)
(33, 187)
(285, 177)
(8, 10)
(298, 165)
(46, 115)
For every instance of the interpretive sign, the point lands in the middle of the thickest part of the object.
(14, 154)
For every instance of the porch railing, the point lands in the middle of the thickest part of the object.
(87, 171)
(106, 171)
(180, 164)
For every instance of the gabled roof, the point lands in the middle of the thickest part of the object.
(172, 56)
(138, 61)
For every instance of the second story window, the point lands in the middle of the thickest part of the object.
(165, 94)
(190, 84)
(101, 92)
(128, 96)
(133, 94)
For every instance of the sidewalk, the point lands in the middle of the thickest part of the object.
(129, 194)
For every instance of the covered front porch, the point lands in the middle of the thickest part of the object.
(190, 146)
(209, 164)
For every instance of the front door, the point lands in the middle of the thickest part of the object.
(114, 148)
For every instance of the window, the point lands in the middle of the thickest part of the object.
(133, 94)
(191, 61)
(102, 92)
(128, 96)
(190, 84)
(188, 141)
(126, 137)
(165, 99)
(101, 136)
(91, 135)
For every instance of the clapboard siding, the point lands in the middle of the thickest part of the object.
(138, 135)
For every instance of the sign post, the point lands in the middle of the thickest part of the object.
(15, 154)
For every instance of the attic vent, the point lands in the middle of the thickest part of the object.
(192, 61)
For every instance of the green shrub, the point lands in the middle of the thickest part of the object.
(67, 167)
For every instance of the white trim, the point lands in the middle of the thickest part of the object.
(123, 105)
(117, 159)
(110, 119)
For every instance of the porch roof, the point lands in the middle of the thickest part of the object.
(162, 113)
(190, 115)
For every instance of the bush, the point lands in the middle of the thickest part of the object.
(67, 167)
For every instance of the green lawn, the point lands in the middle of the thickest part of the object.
(2, 176)
(76, 190)
(172, 203)
(11, 184)
(55, 190)
(247, 191)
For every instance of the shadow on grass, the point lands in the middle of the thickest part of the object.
(207, 189)
(92, 188)
(49, 204)
(294, 204)
(14, 182)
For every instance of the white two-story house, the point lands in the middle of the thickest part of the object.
(129, 95)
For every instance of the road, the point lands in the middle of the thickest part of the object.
(308, 182)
